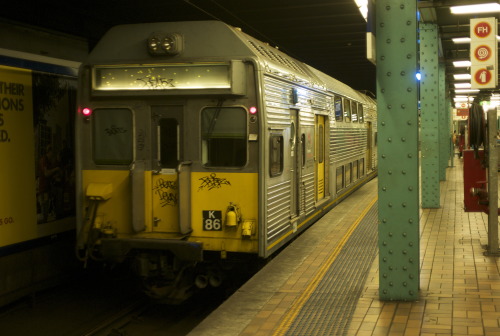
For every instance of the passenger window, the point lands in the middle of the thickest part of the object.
(169, 142)
(340, 178)
(303, 149)
(276, 155)
(354, 111)
(348, 174)
(112, 136)
(347, 110)
(321, 141)
(224, 134)
(338, 108)
(361, 116)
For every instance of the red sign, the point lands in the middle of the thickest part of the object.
(482, 29)
(463, 112)
(482, 53)
(482, 76)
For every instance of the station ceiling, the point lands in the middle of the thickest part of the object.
(329, 35)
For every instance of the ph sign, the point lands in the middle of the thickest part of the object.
(484, 60)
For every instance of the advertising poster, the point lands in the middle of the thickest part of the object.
(36, 150)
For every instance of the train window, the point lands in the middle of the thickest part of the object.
(348, 174)
(354, 111)
(361, 167)
(112, 136)
(224, 134)
(361, 116)
(347, 110)
(355, 170)
(321, 142)
(303, 149)
(169, 142)
(340, 178)
(338, 108)
(276, 155)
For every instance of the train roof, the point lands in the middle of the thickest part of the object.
(209, 40)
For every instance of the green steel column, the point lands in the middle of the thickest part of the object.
(444, 127)
(397, 105)
(449, 114)
(429, 121)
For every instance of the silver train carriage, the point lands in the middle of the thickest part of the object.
(197, 142)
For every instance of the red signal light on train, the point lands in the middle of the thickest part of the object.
(86, 112)
(252, 110)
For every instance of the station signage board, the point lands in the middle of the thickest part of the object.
(484, 59)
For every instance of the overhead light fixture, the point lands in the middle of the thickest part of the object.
(461, 64)
(480, 8)
(363, 8)
(462, 85)
(463, 40)
(466, 90)
(462, 76)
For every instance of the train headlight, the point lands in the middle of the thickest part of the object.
(153, 44)
(160, 43)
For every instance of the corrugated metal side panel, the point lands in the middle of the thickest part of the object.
(347, 143)
(278, 99)
(278, 210)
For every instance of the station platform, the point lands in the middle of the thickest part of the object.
(326, 281)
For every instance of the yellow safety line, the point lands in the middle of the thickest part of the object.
(290, 316)
(347, 192)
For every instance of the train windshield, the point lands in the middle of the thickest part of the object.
(224, 135)
(112, 129)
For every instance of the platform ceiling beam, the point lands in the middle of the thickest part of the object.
(397, 103)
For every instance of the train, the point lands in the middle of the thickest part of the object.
(37, 202)
(199, 146)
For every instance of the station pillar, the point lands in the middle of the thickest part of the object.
(398, 161)
(444, 124)
(430, 115)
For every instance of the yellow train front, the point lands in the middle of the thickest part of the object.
(198, 145)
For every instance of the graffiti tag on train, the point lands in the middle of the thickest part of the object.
(166, 192)
(141, 139)
(10, 101)
(212, 182)
(157, 82)
(6, 220)
(114, 130)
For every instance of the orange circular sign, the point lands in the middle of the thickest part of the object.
(482, 29)
(482, 53)
(482, 76)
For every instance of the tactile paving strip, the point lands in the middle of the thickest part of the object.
(329, 310)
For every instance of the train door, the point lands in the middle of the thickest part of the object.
(295, 159)
(167, 130)
(320, 156)
(370, 147)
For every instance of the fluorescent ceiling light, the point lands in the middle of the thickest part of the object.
(481, 8)
(466, 90)
(463, 40)
(461, 64)
(463, 98)
(460, 40)
(363, 8)
(462, 76)
(462, 85)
